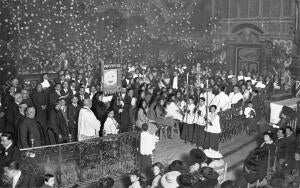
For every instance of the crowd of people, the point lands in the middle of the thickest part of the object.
(275, 161)
(205, 168)
(148, 95)
(73, 107)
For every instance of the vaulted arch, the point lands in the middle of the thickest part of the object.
(244, 26)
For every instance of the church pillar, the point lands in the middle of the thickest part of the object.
(295, 67)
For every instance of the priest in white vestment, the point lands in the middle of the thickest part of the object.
(88, 124)
(221, 100)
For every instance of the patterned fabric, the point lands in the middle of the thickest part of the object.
(83, 137)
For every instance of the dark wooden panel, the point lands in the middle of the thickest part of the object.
(275, 8)
(254, 8)
(222, 8)
(233, 9)
(266, 7)
(287, 7)
(244, 5)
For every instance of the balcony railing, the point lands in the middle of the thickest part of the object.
(85, 161)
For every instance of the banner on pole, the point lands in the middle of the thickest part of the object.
(111, 80)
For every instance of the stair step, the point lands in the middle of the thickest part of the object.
(234, 151)
(239, 155)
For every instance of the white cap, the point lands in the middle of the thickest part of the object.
(210, 153)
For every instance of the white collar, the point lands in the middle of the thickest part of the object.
(7, 147)
(85, 107)
(16, 178)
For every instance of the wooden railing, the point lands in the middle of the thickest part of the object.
(85, 161)
(232, 124)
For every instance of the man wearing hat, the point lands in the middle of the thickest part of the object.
(169, 180)
(291, 142)
(217, 163)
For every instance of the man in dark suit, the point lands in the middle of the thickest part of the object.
(60, 77)
(26, 98)
(281, 144)
(19, 119)
(269, 85)
(72, 114)
(291, 143)
(58, 123)
(81, 96)
(9, 97)
(125, 121)
(16, 84)
(257, 105)
(30, 131)
(9, 151)
(153, 80)
(55, 95)
(11, 114)
(66, 92)
(19, 179)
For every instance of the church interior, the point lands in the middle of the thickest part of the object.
(150, 93)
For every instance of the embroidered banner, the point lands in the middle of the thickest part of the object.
(112, 74)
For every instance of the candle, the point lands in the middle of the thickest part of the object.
(207, 83)
(187, 78)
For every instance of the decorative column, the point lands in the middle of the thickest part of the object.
(295, 67)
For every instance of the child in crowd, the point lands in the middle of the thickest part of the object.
(199, 134)
(147, 146)
(148, 141)
(111, 125)
(250, 115)
(49, 181)
(157, 170)
(188, 121)
(135, 179)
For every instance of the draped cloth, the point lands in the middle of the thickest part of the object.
(88, 124)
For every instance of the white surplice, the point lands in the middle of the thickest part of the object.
(88, 124)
